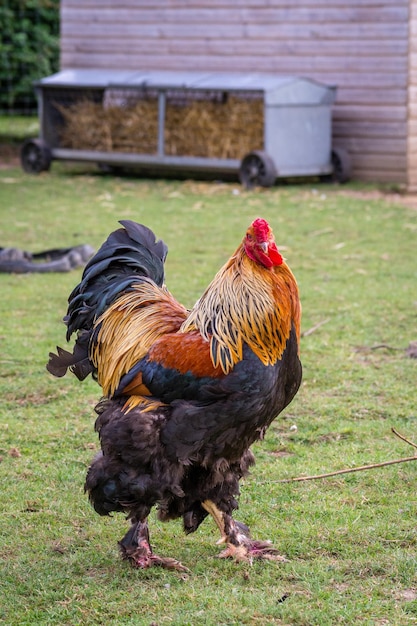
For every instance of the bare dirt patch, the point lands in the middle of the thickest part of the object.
(407, 199)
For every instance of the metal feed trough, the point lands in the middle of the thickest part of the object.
(296, 123)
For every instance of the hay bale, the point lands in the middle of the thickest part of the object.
(85, 127)
(89, 126)
(193, 127)
(134, 129)
(223, 130)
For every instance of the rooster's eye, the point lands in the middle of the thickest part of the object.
(249, 237)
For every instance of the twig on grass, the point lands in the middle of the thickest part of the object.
(410, 351)
(397, 434)
(386, 347)
(311, 330)
(357, 469)
(348, 471)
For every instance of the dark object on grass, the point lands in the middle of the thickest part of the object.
(411, 351)
(16, 261)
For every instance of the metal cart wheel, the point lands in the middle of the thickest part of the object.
(35, 156)
(341, 165)
(257, 169)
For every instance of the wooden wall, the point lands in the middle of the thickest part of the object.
(412, 102)
(360, 45)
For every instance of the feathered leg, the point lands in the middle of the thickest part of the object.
(240, 545)
(135, 548)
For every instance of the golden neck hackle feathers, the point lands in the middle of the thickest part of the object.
(247, 303)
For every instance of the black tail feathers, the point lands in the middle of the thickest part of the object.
(128, 255)
(77, 361)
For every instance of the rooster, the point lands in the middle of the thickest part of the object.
(185, 392)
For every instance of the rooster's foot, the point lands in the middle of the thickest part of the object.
(250, 550)
(236, 536)
(136, 549)
(142, 560)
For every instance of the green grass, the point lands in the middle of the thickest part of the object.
(15, 128)
(350, 540)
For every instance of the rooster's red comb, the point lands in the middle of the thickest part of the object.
(261, 229)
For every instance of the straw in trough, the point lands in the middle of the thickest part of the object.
(212, 128)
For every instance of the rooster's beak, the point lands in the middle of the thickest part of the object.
(264, 246)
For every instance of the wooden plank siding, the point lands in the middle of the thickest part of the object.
(363, 46)
(412, 102)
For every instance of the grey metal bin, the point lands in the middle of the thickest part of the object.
(296, 139)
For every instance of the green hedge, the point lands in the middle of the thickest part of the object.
(29, 50)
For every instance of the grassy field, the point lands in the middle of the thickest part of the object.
(13, 131)
(14, 128)
(350, 540)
